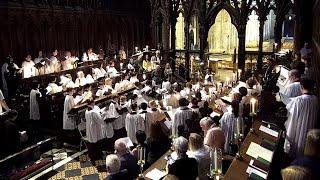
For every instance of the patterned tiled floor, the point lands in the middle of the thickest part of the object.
(80, 169)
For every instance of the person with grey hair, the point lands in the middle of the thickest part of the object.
(205, 124)
(213, 134)
(311, 157)
(293, 89)
(128, 161)
(113, 165)
(184, 167)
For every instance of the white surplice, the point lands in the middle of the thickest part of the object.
(68, 122)
(180, 117)
(107, 128)
(28, 69)
(302, 116)
(293, 90)
(133, 123)
(152, 117)
(202, 156)
(34, 106)
(227, 123)
(94, 122)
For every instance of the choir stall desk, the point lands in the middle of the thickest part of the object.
(237, 169)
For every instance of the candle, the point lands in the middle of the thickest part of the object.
(147, 48)
(144, 76)
(253, 102)
(233, 76)
(136, 48)
(215, 160)
(239, 72)
(227, 81)
(121, 64)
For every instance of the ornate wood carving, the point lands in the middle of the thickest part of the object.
(72, 25)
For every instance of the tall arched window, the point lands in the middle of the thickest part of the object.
(180, 32)
(222, 36)
(252, 32)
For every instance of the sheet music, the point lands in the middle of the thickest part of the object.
(255, 151)
(155, 174)
(128, 141)
(257, 172)
(269, 131)
(78, 99)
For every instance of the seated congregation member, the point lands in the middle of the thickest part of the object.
(158, 143)
(133, 123)
(201, 154)
(94, 134)
(184, 167)
(302, 116)
(128, 161)
(213, 134)
(113, 165)
(182, 115)
(227, 124)
(293, 89)
(311, 157)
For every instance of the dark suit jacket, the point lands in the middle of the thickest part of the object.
(184, 168)
(121, 175)
(130, 163)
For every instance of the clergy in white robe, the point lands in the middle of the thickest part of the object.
(68, 122)
(302, 116)
(107, 128)
(89, 55)
(133, 123)
(81, 79)
(181, 116)
(28, 69)
(55, 65)
(94, 121)
(293, 89)
(34, 106)
(227, 124)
